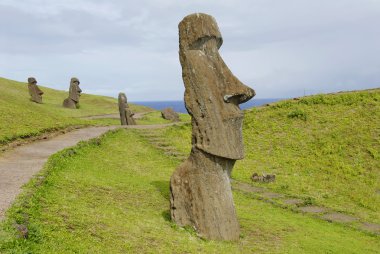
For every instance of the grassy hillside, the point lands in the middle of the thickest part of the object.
(105, 196)
(19, 117)
(324, 149)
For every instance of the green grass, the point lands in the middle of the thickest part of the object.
(20, 118)
(323, 148)
(156, 118)
(105, 196)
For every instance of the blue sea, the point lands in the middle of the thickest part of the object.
(179, 106)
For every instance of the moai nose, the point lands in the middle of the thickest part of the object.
(238, 93)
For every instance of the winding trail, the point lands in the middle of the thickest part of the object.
(17, 166)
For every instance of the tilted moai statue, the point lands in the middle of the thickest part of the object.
(200, 187)
(126, 115)
(74, 93)
(34, 91)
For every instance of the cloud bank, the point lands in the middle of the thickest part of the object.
(279, 48)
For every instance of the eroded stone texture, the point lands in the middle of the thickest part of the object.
(34, 91)
(74, 94)
(126, 115)
(200, 187)
(170, 114)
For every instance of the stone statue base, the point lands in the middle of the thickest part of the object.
(201, 196)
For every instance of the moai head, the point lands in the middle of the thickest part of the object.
(122, 100)
(75, 91)
(212, 92)
(32, 80)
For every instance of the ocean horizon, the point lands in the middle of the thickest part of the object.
(179, 106)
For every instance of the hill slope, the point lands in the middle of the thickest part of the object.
(19, 117)
(324, 149)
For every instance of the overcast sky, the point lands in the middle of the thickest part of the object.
(281, 48)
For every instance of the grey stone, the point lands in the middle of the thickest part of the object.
(170, 114)
(201, 194)
(264, 178)
(126, 115)
(74, 94)
(34, 91)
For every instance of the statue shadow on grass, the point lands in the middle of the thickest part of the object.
(164, 189)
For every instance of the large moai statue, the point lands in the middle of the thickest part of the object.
(126, 115)
(74, 93)
(34, 91)
(200, 187)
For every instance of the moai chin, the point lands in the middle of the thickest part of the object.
(200, 187)
(126, 115)
(34, 91)
(74, 93)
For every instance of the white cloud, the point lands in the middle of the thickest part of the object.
(280, 48)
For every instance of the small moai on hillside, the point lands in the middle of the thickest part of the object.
(200, 187)
(74, 93)
(34, 91)
(170, 114)
(126, 115)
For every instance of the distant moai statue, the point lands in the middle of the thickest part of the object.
(126, 115)
(200, 187)
(74, 93)
(34, 91)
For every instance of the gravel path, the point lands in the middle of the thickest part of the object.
(17, 166)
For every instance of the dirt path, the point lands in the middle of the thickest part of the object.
(115, 116)
(18, 165)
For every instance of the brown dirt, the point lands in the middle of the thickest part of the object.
(338, 217)
(293, 201)
(312, 209)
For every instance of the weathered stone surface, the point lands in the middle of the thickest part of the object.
(126, 115)
(34, 91)
(74, 94)
(200, 187)
(170, 114)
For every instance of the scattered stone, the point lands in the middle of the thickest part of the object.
(201, 195)
(264, 178)
(338, 217)
(22, 230)
(34, 91)
(312, 209)
(74, 93)
(126, 115)
(170, 114)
